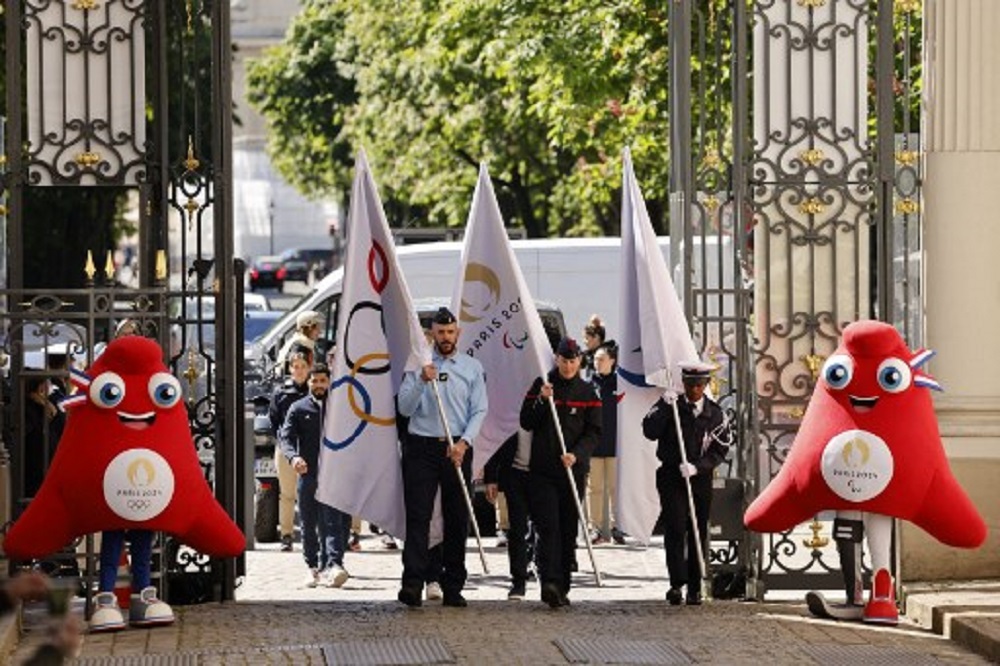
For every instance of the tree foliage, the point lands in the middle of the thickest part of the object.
(548, 94)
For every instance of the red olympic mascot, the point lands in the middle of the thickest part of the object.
(126, 462)
(869, 443)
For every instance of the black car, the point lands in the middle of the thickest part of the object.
(267, 272)
(303, 264)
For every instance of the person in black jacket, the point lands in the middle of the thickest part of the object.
(603, 473)
(325, 530)
(552, 505)
(293, 388)
(706, 440)
(507, 472)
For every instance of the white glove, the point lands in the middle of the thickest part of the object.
(669, 397)
(688, 470)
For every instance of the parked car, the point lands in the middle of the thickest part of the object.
(255, 303)
(306, 264)
(256, 323)
(267, 272)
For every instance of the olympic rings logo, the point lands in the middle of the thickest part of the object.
(138, 505)
(378, 278)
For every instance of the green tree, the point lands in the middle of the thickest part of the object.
(547, 93)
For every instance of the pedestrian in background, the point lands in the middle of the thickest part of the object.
(308, 326)
(594, 335)
(552, 505)
(506, 472)
(293, 388)
(706, 441)
(603, 472)
(429, 460)
(325, 530)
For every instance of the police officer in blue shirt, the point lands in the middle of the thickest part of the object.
(429, 463)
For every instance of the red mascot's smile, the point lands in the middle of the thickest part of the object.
(137, 421)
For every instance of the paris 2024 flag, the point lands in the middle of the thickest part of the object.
(500, 324)
(654, 339)
(378, 338)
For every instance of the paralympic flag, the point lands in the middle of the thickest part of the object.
(500, 324)
(378, 338)
(654, 340)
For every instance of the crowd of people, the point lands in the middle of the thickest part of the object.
(561, 465)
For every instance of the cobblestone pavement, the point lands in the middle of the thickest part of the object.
(277, 620)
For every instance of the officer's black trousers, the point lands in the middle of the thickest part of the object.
(553, 513)
(678, 535)
(426, 467)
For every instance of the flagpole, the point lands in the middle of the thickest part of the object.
(461, 475)
(576, 495)
(690, 494)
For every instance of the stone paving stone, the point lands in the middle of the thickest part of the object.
(276, 621)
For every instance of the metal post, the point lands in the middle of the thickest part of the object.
(228, 321)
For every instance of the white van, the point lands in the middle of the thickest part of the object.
(579, 276)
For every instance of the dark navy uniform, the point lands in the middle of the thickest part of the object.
(706, 437)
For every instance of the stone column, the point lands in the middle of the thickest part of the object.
(962, 243)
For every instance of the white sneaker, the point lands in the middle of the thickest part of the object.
(335, 576)
(146, 610)
(312, 580)
(434, 592)
(106, 616)
(501, 539)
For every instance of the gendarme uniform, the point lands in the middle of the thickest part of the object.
(427, 467)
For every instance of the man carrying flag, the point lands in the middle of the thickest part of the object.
(655, 344)
(705, 445)
(430, 459)
(378, 337)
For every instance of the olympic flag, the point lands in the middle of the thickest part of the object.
(379, 337)
(654, 339)
(500, 325)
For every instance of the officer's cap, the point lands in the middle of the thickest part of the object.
(696, 372)
(443, 317)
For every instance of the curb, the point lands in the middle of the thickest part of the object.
(970, 618)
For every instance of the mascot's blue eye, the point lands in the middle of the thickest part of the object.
(894, 375)
(838, 371)
(107, 390)
(164, 389)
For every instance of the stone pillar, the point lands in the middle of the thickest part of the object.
(962, 242)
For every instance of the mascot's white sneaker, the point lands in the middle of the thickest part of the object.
(106, 616)
(881, 606)
(148, 611)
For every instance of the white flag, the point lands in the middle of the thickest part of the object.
(500, 324)
(378, 338)
(654, 339)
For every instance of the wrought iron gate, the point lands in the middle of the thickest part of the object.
(794, 157)
(132, 96)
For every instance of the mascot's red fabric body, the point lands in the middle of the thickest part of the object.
(869, 442)
(126, 460)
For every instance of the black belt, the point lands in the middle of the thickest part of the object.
(423, 438)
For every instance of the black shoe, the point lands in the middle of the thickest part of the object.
(552, 595)
(286, 543)
(409, 596)
(693, 599)
(517, 592)
(454, 599)
(618, 536)
(674, 596)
